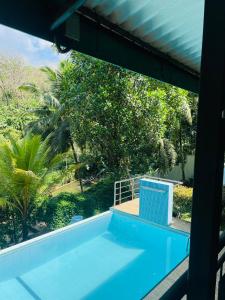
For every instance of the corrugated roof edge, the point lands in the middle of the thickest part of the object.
(192, 77)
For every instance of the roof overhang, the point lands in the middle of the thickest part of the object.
(96, 36)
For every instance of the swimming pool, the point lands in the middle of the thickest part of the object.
(110, 256)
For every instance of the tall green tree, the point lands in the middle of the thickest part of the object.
(62, 137)
(52, 121)
(118, 116)
(53, 116)
(180, 131)
(123, 122)
(13, 73)
(24, 169)
(16, 105)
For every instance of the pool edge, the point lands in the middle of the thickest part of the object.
(53, 233)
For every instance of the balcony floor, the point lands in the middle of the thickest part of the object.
(130, 207)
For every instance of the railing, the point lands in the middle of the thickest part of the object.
(128, 189)
(180, 287)
(125, 190)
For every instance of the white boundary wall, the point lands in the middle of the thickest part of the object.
(176, 172)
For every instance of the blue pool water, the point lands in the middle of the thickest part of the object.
(113, 256)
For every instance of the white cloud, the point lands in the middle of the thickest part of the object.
(34, 51)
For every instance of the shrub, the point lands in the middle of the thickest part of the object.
(59, 210)
(182, 202)
(96, 199)
(5, 234)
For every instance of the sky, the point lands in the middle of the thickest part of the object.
(34, 51)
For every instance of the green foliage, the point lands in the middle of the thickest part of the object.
(181, 123)
(13, 73)
(119, 117)
(71, 187)
(182, 202)
(52, 116)
(59, 210)
(129, 123)
(96, 199)
(5, 228)
(16, 105)
(13, 120)
(24, 168)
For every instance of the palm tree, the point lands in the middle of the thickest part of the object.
(53, 119)
(52, 116)
(24, 170)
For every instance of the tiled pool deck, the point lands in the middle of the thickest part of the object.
(132, 207)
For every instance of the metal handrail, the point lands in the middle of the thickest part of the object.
(124, 192)
(120, 194)
(133, 184)
(151, 177)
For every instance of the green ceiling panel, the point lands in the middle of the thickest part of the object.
(174, 27)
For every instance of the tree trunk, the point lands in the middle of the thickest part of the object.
(182, 155)
(81, 185)
(14, 229)
(24, 229)
(73, 150)
(76, 161)
(183, 171)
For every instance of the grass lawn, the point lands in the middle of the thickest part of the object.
(72, 187)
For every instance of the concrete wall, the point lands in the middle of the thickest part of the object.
(176, 172)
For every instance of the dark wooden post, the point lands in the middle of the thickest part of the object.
(209, 157)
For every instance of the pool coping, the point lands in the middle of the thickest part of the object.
(156, 288)
(53, 233)
(166, 283)
(80, 223)
(138, 218)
